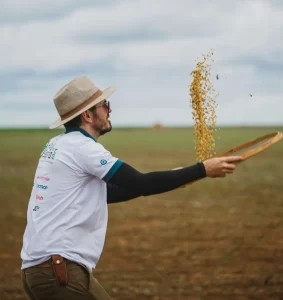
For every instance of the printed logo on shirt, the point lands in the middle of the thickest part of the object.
(49, 151)
(39, 197)
(36, 208)
(40, 186)
(103, 161)
(43, 178)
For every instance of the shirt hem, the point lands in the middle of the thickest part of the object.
(34, 263)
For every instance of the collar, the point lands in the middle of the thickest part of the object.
(85, 133)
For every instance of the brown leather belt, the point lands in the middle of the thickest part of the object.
(60, 269)
(59, 266)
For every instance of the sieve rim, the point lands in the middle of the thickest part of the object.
(274, 138)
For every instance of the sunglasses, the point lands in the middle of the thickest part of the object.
(105, 104)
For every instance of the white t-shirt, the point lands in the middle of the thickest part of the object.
(67, 211)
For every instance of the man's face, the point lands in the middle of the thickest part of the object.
(101, 122)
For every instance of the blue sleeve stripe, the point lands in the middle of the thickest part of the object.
(113, 170)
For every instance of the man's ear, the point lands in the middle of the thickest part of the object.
(87, 116)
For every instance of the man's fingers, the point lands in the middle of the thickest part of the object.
(229, 166)
(232, 158)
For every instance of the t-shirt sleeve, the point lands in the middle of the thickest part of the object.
(94, 159)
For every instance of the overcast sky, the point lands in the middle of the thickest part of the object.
(147, 49)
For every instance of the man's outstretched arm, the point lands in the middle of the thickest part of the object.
(128, 183)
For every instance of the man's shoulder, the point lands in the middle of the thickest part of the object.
(91, 145)
(81, 143)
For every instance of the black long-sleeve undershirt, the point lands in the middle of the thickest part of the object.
(128, 183)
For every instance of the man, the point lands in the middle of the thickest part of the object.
(75, 179)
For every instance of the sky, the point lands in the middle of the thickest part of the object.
(147, 49)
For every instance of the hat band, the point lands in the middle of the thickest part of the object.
(81, 106)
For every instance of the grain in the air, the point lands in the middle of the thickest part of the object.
(204, 106)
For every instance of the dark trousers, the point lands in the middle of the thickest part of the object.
(40, 284)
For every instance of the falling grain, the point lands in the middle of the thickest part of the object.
(204, 105)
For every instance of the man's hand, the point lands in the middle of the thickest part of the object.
(220, 166)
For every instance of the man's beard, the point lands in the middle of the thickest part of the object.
(102, 131)
(100, 126)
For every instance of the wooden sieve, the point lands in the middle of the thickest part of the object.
(255, 146)
(250, 148)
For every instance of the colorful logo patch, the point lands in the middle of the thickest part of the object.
(103, 161)
(40, 186)
(49, 151)
(43, 178)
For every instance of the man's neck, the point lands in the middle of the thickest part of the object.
(91, 131)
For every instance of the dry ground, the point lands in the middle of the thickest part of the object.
(216, 239)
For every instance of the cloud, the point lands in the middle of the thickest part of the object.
(147, 49)
(17, 11)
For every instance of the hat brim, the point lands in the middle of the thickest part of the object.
(105, 94)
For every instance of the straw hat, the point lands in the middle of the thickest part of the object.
(76, 97)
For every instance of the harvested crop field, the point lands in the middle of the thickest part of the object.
(216, 239)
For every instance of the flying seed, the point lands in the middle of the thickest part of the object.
(203, 105)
